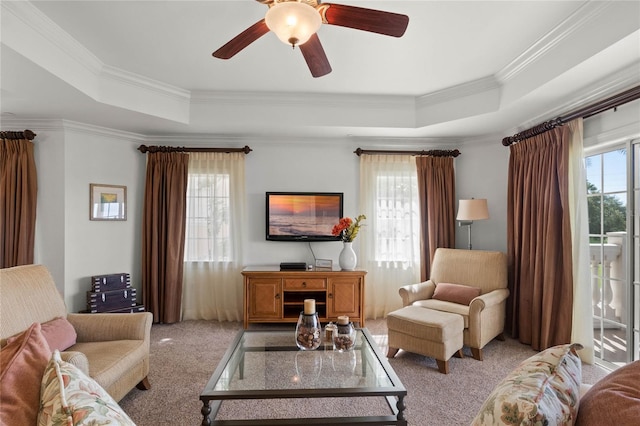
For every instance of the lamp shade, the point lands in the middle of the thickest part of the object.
(293, 22)
(474, 209)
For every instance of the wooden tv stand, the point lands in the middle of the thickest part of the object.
(275, 296)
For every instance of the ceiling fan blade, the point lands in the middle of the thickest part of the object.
(360, 18)
(313, 53)
(242, 40)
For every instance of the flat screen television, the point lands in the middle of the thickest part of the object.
(303, 216)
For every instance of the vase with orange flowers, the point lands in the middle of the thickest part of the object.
(347, 229)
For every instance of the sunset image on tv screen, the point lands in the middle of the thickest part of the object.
(309, 215)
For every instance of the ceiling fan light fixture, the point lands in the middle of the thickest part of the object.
(294, 22)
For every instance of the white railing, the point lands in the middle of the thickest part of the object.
(612, 259)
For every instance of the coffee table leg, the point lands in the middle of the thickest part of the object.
(206, 410)
(401, 408)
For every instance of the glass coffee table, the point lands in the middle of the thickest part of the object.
(267, 365)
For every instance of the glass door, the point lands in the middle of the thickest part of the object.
(608, 199)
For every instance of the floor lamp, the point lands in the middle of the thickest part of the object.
(470, 210)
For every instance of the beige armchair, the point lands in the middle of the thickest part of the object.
(111, 348)
(484, 317)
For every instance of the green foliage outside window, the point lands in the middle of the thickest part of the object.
(614, 212)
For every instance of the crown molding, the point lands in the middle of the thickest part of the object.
(90, 129)
(399, 143)
(617, 82)
(37, 125)
(578, 20)
(33, 18)
(198, 139)
(137, 80)
(204, 97)
(463, 90)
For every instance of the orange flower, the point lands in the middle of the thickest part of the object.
(348, 228)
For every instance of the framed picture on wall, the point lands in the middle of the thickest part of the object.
(107, 202)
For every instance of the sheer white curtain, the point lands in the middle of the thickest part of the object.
(212, 288)
(390, 245)
(582, 319)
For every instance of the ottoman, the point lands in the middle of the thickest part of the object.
(426, 332)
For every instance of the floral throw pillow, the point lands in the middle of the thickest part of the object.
(68, 397)
(542, 390)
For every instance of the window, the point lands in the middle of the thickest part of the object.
(390, 243)
(212, 285)
(397, 217)
(207, 226)
(389, 198)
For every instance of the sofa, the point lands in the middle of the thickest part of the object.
(547, 389)
(110, 351)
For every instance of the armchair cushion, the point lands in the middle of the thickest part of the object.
(441, 305)
(22, 364)
(456, 293)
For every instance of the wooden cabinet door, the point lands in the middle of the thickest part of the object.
(265, 298)
(344, 296)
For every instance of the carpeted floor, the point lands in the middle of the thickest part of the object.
(184, 355)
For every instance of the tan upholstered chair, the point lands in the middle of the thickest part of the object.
(484, 317)
(111, 348)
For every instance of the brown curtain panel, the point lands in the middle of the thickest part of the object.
(437, 189)
(539, 308)
(163, 234)
(18, 199)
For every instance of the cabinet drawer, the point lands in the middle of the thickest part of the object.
(305, 283)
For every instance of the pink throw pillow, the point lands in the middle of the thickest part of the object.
(59, 334)
(22, 365)
(614, 400)
(456, 293)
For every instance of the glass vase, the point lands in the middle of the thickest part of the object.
(308, 331)
(344, 338)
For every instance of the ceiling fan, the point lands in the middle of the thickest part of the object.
(295, 22)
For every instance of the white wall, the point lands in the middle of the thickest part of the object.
(49, 149)
(70, 156)
(320, 165)
(481, 172)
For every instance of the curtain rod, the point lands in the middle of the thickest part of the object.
(585, 112)
(144, 149)
(433, 152)
(27, 134)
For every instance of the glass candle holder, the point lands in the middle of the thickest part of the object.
(344, 338)
(308, 331)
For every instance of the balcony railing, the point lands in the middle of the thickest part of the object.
(609, 296)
